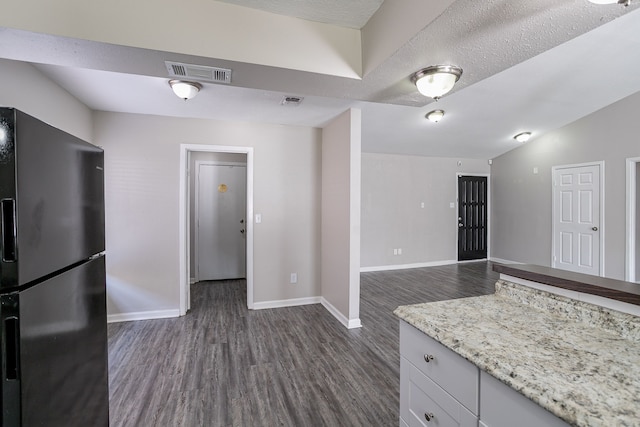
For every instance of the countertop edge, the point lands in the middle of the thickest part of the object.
(595, 285)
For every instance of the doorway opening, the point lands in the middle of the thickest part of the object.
(632, 273)
(473, 217)
(218, 213)
(187, 152)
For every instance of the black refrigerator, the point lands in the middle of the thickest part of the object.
(52, 277)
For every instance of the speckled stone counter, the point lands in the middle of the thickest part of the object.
(579, 361)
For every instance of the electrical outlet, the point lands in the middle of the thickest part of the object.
(395, 252)
(399, 251)
(294, 277)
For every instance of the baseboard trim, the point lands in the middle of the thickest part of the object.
(285, 303)
(407, 266)
(503, 261)
(142, 315)
(348, 323)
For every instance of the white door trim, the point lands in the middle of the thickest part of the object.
(601, 228)
(197, 165)
(183, 218)
(630, 275)
(488, 175)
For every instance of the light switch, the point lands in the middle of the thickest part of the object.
(258, 218)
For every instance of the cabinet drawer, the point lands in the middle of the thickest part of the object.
(446, 368)
(430, 405)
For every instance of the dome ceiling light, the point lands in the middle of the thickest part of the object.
(522, 137)
(624, 2)
(435, 116)
(436, 80)
(185, 90)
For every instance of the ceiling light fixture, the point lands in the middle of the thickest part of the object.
(522, 137)
(624, 2)
(435, 116)
(436, 80)
(185, 90)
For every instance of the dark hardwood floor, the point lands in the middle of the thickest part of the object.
(223, 365)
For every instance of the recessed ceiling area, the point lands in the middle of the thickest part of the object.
(527, 66)
(350, 14)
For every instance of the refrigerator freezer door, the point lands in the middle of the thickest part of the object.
(59, 198)
(10, 384)
(63, 349)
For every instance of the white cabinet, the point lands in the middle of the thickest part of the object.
(502, 406)
(437, 386)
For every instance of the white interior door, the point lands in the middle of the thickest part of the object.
(220, 221)
(576, 219)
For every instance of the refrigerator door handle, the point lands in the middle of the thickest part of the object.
(11, 348)
(9, 230)
(10, 368)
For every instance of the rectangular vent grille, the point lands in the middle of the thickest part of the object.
(291, 100)
(198, 72)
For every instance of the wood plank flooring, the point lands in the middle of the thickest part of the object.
(223, 365)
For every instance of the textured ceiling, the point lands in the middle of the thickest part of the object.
(343, 13)
(527, 66)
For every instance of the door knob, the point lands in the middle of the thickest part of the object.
(460, 224)
(594, 228)
(242, 221)
(242, 231)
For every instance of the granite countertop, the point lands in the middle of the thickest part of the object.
(579, 361)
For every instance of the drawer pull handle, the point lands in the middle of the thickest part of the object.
(428, 358)
(428, 416)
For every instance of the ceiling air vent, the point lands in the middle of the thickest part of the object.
(198, 72)
(293, 101)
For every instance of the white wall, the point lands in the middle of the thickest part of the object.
(24, 87)
(142, 179)
(393, 188)
(340, 256)
(521, 200)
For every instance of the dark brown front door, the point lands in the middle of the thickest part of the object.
(472, 217)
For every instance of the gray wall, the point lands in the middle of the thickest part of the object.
(142, 176)
(638, 222)
(340, 218)
(521, 200)
(393, 188)
(24, 87)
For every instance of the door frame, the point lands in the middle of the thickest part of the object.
(184, 219)
(632, 216)
(197, 165)
(488, 175)
(601, 206)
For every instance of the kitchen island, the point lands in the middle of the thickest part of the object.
(577, 361)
